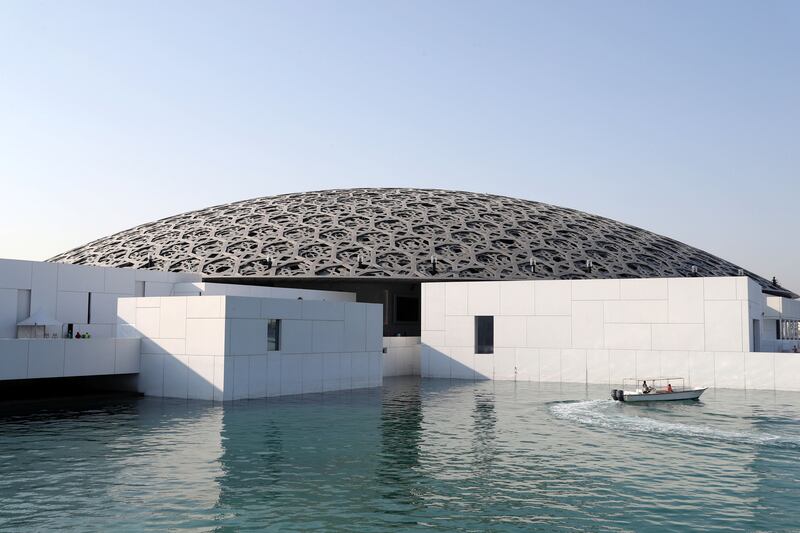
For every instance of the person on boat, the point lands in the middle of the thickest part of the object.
(645, 388)
(669, 387)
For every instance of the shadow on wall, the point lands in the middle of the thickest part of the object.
(222, 378)
(470, 366)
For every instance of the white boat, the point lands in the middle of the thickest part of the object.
(655, 390)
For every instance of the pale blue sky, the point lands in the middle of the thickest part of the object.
(680, 117)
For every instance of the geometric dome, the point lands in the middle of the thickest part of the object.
(392, 233)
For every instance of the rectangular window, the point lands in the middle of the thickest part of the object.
(273, 335)
(484, 334)
(406, 309)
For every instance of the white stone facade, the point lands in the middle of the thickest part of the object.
(601, 331)
(215, 347)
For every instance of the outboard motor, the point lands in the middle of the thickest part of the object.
(621, 395)
(614, 394)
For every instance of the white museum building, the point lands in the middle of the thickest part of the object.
(335, 290)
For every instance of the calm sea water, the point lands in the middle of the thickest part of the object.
(428, 454)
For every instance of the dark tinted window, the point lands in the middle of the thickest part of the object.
(273, 335)
(484, 334)
(406, 309)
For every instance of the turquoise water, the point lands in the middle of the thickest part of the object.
(430, 454)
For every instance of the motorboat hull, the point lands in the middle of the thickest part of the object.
(635, 396)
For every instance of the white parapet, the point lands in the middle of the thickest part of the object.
(56, 358)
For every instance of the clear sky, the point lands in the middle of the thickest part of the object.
(681, 117)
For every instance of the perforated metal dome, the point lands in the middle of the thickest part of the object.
(392, 233)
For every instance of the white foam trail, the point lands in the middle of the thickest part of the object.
(604, 413)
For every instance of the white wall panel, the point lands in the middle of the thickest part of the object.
(13, 359)
(527, 360)
(281, 308)
(548, 332)
(595, 289)
(573, 366)
(128, 356)
(327, 336)
(374, 338)
(628, 336)
(759, 371)
(176, 376)
(550, 366)
(719, 288)
(119, 281)
(355, 327)
(433, 305)
(483, 298)
(598, 367)
(701, 369)
(456, 299)
(44, 288)
(241, 307)
(79, 278)
(729, 370)
(587, 324)
(723, 326)
(622, 365)
(200, 382)
(644, 289)
(505, 363)
(460, 331)
(509, 331)
(636, 311)
(248, 336)
(552, 297)
(318, 310)
(72, 307)
(15, 274)
(685, 300)
(675, 363)
(679, 337)
(205, 336)
(45, 358)
(8, 313)
(516, 298)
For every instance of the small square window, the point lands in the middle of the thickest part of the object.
(484, 334)
(273, 335)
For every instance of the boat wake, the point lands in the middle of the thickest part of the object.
(607, 414)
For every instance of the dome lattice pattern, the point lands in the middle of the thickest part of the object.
(357, 233)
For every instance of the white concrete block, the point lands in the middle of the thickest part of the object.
(459, 331)
(759, 371)
(173, 318)
(595, 289)
(200, 382)
(205, 336)
(644, 289)
(719, 288)
(119, 281)
(127, 357)
(433, 338)
(509, 331)
(456, 295)
(433, 306)
(573, 366)
(438, 364)
(355, 328)
(273, 374)
(483, 365)
(648, 364)
(331, 372)
(723, 326)
(374, 337)
(242, 307)
(621, 365)
(375, 369)
(257, 376)
(516, 298)
(458, 363)
(636, 311)
(15, 274)
(548, 331)
(148, 321)
(678, 337)
(483, 298)
(505, 364)
(425, 360)
(163, 346)
(296, 336)
(45, 358)
(248, 336)
(552, 297)
(598, 367)
(346, 371)
(675, 363)
(685, 300)
(79, 278)
(587, 324)
(729, 370)
(320, 310)
(787, 370)
(282, 308)
(205, 307)
(291, 374)
(701, 369)
(527, 361)
(104, 308)
(223, 378)
(13, 359)
(44, 287)
(176, 376)
(241, 377)
(157, 288)
(88, 357)
(550, 365)
(359, 372)
(8, 313)
(72, 307)
(151, 375)
(327, 336)
(628, 336)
